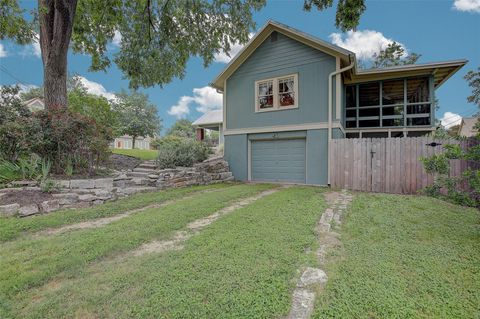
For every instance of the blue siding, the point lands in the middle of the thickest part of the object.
(317, 159)
(272, 59)
(236, 150)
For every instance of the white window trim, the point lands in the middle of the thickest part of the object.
(276, 102)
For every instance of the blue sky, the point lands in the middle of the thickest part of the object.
(438, 29)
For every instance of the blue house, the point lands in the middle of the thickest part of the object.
(287, 94)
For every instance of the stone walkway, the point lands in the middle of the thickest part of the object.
(303, 298)
(176, 243)
(100, 222)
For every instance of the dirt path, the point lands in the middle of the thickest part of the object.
(176, 243)
(100, 222)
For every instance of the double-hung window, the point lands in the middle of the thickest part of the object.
(277, 93)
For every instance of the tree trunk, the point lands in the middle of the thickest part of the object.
(133, 141)
(56, 25)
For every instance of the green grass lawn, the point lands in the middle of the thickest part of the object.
(405, 257)
(402, 257)
(141, 154)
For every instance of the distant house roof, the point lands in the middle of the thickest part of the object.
(209, 118)
(467, 126)
(35, 104)
(440, 70)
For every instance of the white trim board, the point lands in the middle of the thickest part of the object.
(282, 128)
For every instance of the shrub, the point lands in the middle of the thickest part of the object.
(177, 151)
(448, 187)
(72, 142)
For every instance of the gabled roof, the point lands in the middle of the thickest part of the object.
(295, 34)
(209, 118)
(467, 126)
(440, 70)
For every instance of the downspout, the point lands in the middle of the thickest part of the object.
(330, 106)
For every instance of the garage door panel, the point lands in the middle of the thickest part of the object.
(278, 160)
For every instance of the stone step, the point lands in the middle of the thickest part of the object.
(138, 174)
(147, 165)
(144, 169)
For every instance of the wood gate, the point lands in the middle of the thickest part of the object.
(387, 165)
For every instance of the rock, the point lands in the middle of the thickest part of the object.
(153, 176)
(302, 305)
(23, 183)
(103, 194)
(120, 177)
(62, 183)
(82, 183)
(49, 206)
(28, 210)
(312, 276)
(106, 183)
(97, 202)
(87, 198)
(9, 210)
(66, 198)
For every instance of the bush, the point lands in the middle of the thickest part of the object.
(448, 187)
(72, 142)
(177, 151)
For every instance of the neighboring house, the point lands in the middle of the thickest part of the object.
(212, 120)
(286, 94)
(35, 104)
(125, 141)
(467, 127)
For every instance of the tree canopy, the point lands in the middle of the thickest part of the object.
(182, 128)
(136, 115)
(394, 54)
(473, 79)
(157, 37)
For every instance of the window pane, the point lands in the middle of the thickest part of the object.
(418, 121)
(418, 109)
(350, 97)
(369, 123)
(351, 113)
(265, 102)
(265, 88)
(286, 90)
(393, 110)
(417, 90)
(287, 99)
(265, 94)
(392, 92)
(393, 122)
(369, 94)
(350, 124)
(369, 112)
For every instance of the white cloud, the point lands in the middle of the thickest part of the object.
(450, 119)
(33, 49)
(3, 52)
(222, 57)
(467, 5)
(205, 99)
(117, 39)
(363, 43)
(96, 88)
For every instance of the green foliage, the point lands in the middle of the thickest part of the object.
(140, 154)
(26, 168)
(182, 128)
(36, 92)
(473, 79)
(448, 187)
(393, 55)
(9, 171)
(348, 11)
(175, 151)
(69, 138)
(136, 115)
(13, 24)
(48, 186)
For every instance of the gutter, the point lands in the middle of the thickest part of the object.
(330, 106)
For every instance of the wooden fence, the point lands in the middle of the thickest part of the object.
(387, 165)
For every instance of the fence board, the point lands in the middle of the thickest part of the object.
(390, 165)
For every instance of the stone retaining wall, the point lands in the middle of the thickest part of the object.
(87, 192)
